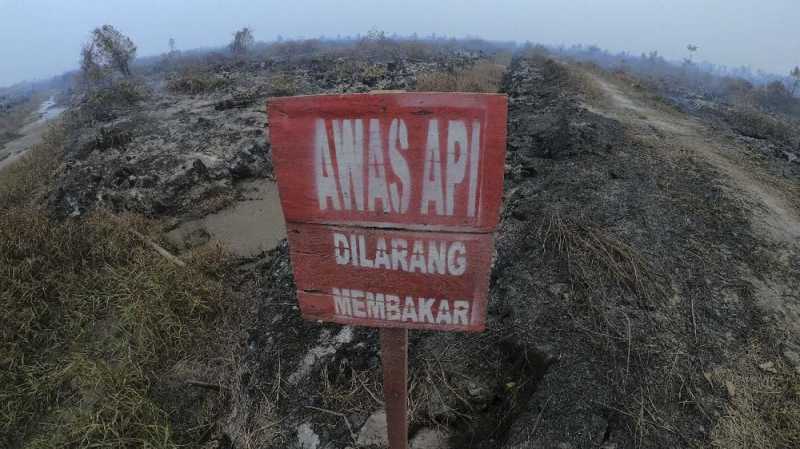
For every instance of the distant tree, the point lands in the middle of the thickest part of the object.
(777, 92)
(109, 49)
(172, 45)
(243, 41)
(795, 73)
(692, 49)
(376, 35)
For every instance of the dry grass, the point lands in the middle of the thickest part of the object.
(282, 85)
(595, 257)
(252, 421)
(351, 391)
(12, 120)
(93, 322)
(755, 123)
(23, 180)
(484, 76)
(587, 87)
(763, 408)
(195, 80)
(439, 393)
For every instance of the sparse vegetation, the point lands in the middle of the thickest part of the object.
(107, 50)
(195, 81)
(102, 93)
(93, 324)
(14, 117)
(764, 408)
(282, 84)
(103, 104)
(754, 123)
(484, 76)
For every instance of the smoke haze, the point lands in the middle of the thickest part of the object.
(42, 38)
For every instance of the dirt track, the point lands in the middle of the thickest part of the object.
(774, 208)
(774, 211)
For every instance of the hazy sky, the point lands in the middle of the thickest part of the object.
(40, 38)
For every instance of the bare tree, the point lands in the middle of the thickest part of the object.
(692, 49)
(242, 41)
(108, 49)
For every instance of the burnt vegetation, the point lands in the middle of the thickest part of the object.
(624, 306)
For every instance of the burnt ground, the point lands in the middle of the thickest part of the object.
(627, 286)
(645, 287)
(191, 133)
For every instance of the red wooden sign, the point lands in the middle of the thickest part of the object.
(391, 200)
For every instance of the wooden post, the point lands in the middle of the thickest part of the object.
(394, 356)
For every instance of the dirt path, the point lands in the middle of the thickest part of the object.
(774, 210)
(31, 133)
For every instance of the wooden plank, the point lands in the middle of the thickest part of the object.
(363, 265)
(362, 159)
(429, 264)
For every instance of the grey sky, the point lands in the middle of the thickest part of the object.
(41, 38)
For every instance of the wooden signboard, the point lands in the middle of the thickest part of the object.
(391, 200)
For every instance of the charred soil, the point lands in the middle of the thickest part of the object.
(644, 293)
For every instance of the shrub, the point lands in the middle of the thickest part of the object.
(195, 82)
(752, 122)
(103, 103)
(282, 85)
(108, 50)
(482, 77)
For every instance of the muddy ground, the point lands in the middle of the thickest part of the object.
(646, 258)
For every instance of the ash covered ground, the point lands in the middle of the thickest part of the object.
(646, 283)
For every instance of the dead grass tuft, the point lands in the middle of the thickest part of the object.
(595, 257)
(351, 390)
(252, 422)
(484, 76)
(763, 407)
